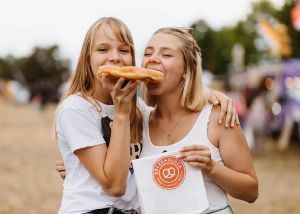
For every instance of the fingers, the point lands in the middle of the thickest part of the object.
(107, 82)
(237, 119)
(62, 174)
(60, 168)
(213, 98)
(59, 163)
(229, 114)
(197, 158)
(198, 165)
(234, 119)
(193, 148)
(197, 155)
(224, 105)
(194, 152)
(126, 92)
(132, 93)
(120, 83)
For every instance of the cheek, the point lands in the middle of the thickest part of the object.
(144, 63)
(128, 60)
(95, 62)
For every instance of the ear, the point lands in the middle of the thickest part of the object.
(184, 75)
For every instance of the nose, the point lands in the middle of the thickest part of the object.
(154, 58)
(115, 57)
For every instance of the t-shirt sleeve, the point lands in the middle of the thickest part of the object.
(79, 129)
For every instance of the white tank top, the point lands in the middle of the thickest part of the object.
(217, 198)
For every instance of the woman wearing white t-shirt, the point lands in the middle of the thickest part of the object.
(182, 120)
(98, 178)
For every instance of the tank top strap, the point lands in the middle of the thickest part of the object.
(204, 117)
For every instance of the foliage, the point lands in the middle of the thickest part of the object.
(6, 68)
(42, 72)
(216, 45)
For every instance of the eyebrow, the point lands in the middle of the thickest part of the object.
(162, 48)
(107, 43)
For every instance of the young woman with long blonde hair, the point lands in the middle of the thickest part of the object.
(183, 120)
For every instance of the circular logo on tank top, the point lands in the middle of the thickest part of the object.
(168, 172)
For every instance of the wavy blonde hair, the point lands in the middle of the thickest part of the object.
(82, 81)
(194, 96)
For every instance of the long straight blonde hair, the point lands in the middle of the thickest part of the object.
(82, 81)
(194, 96)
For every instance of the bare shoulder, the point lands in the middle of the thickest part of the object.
(217, 130)
(213, 128)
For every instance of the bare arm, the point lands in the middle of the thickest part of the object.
(109, 166)
(237, 176)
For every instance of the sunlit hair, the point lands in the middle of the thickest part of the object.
(193, 92)
(83, 78)
(82, 82)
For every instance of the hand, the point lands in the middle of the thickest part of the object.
(121, 94)
(198, 156)
(227, 108)
(60, 168)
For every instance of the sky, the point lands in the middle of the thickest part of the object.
(25, 24)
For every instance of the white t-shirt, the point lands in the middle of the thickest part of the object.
(217, 198)
(78, 125)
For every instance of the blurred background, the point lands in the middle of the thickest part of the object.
(250, 50)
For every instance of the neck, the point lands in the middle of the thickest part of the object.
(168, 106)
(102, 95)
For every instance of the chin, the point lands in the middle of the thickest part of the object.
(153, 90)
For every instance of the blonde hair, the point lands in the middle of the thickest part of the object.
(82, 81)
(193, 92)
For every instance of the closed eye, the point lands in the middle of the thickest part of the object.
(102, 50)
(125, 51)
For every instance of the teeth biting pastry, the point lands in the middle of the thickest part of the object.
(132, 73)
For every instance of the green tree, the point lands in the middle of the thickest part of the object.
(44, 72)
(204, 36)
(6, 68)
(216, 45)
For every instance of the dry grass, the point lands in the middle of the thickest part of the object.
(29, 183)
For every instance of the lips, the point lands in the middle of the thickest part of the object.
(157, 69)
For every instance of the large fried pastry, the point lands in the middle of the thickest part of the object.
(132, 73)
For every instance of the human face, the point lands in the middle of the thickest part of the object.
(108, 50)
(163, 53)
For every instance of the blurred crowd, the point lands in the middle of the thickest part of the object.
(267, 100)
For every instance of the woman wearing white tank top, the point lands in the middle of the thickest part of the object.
(183, 120)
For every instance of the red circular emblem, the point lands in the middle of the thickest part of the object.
(168, 172)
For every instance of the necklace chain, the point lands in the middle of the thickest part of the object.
(171, 130)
